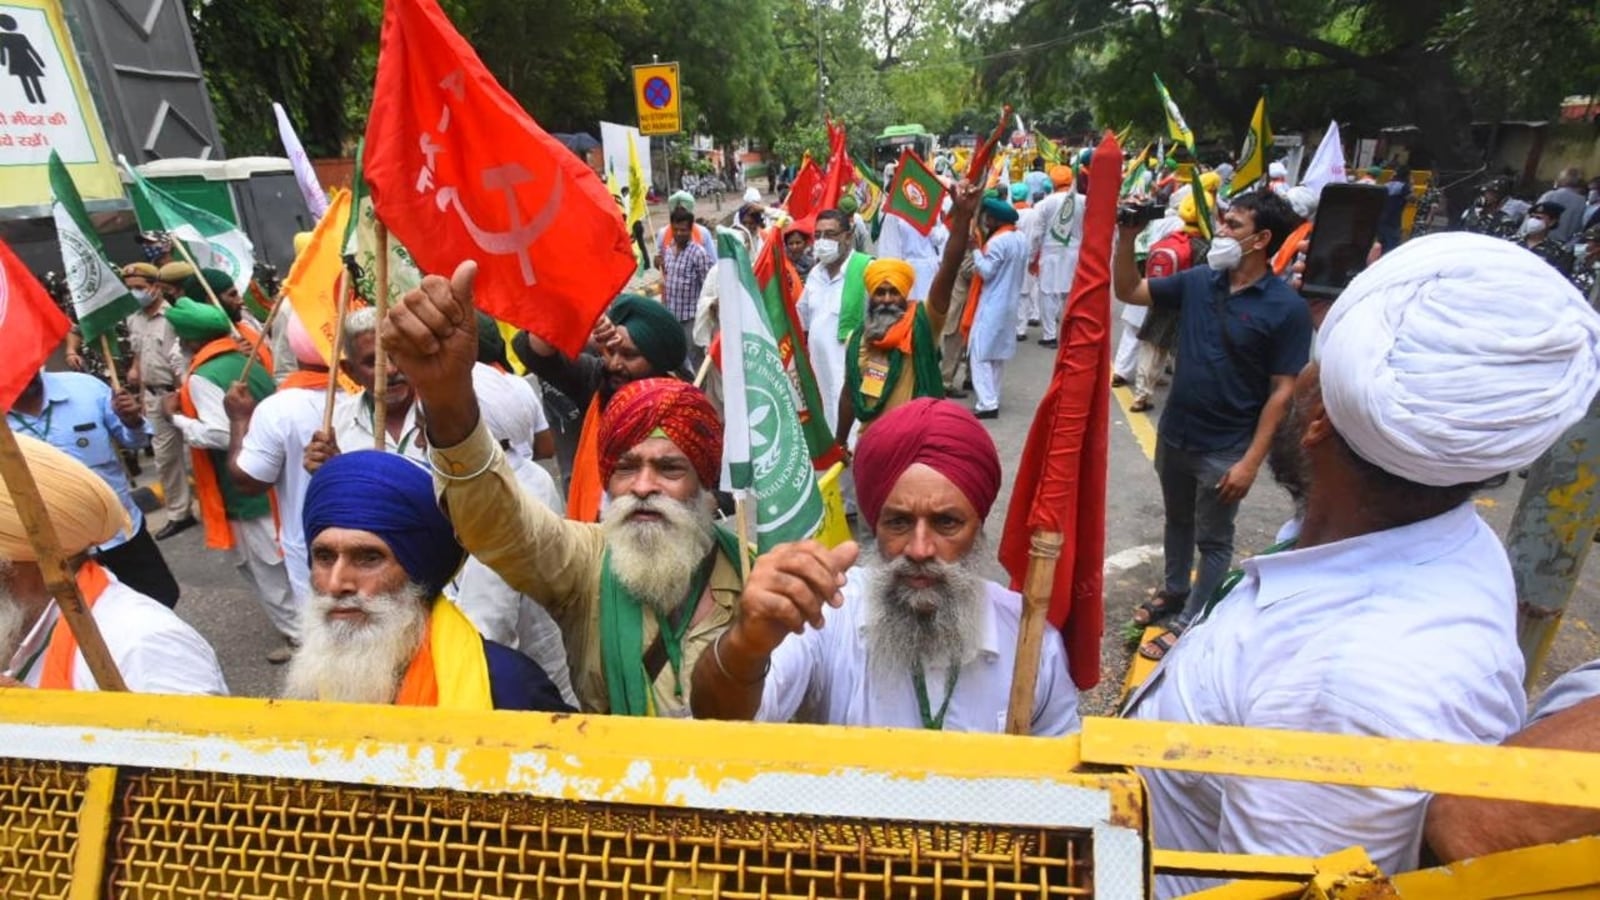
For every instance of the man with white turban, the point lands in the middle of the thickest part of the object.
(1453, 360)
(156, 652)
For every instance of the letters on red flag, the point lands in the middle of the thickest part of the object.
(31, 326)
(458, 170)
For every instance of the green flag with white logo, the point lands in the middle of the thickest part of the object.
(214, 242)
(99, 297)
(765, 458)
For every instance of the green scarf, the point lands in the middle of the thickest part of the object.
(928, 380)
(622, 632)
(853, 298)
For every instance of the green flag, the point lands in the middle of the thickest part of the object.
(764, 455)
(99, 297)
(361, 245)
(916, 194)
(214, 242)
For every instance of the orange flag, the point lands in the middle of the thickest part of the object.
(458, 170)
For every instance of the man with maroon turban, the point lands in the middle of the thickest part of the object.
(914, 636)
(640, 594)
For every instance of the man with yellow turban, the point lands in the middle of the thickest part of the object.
(893, 357)
(156, 652)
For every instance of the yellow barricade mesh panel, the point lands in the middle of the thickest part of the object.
(38, 827)
(191, 835)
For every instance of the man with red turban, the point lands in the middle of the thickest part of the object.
(640, 594)
(913, 637)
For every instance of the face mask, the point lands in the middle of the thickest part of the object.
(152, 252)
(1532, 226)
(1224, 254)
(145, 298)
(827, 249)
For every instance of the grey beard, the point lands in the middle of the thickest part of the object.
(881, 318)
(656, 561)
(13, 622)
(343, 662)
(934, 626)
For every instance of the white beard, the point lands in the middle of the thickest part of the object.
(656, 561)
(934, 626)
(13, 621)
(363, 662)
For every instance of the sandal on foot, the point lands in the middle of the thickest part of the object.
(1159, 646)
(1160, 605)
(1141, 405)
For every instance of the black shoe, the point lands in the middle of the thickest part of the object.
(1034, 322)
(987, 413)
(1118, 381)
(175, 526)
(966, 384)
(1050, 344)
(1021, 338)
(956, 394)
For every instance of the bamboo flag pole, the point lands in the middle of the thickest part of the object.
(742, 523)
(111, 361)
(705, 369)
(1043, 551)
(210, 294)
(341, 307)
(47, 547)
(380, 377)
(266, 329)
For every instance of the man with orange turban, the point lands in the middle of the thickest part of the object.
(1058, 232)
(156, 652)
(640, 594)
(914, 636)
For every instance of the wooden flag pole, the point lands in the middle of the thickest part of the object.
(210, 294)
(62, 585)
(705, 369)
(111, 361)
(266, 329)
(1044, 550)
(341, 307)
(380, 377)
(741, 523)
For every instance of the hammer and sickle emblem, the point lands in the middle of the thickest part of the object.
(516, 239)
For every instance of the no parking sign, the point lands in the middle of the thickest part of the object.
(655, 93)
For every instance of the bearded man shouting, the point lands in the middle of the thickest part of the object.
(915, 636)
(376, 629)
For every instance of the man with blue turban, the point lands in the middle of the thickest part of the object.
(376, 629)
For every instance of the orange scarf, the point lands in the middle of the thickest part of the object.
(62, 652)
(1290, 248)
(310, 379)
(420, 686)
(898, 337)
(970, 313)
(583, 494)
(452, 648)
(249, 333)
(213, 512)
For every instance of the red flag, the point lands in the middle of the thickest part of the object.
(458, 170)
(979, 164)
(1061, 480)
(841, 169)
(31, 326)
(802, 199)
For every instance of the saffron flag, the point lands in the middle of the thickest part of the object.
(984, 155)
(312, 283)
(1253, 155)
(1061, 479)
(99, 298)
(31, 327)
(916, 194)
(214, 242)
(311, 189)
(803, 194)
(1177, 128)
(764, 455)
(458, 170)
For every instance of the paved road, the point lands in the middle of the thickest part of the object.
(218, 603)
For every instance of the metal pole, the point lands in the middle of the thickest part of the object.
(822, 106)
(1550, 536)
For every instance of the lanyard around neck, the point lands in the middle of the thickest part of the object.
(930, 721)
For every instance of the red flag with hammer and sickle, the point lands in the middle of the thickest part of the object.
(458, 170)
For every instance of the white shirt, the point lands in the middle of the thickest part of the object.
(898, 240)
(352, 429)
(1578, 685)
(1406, 633)
(209, 430)
(818, 310)
(1058, 235)
(274, 451)
(156, 652)
(822, 676)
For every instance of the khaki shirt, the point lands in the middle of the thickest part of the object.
(900, 393)
(155, 345)
(556, 562)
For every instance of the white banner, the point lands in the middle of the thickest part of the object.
(614, 144)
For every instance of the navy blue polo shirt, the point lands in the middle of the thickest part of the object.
(1229, 347)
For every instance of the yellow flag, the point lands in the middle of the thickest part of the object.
(835, 528)
(1177, 128)
(636, 185)
(1253, 157)
(312, 285)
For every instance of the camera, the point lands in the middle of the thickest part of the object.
(1140, 214)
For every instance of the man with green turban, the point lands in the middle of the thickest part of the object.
(860, 234)
(237, 523)
(637, 338)
(227, 293)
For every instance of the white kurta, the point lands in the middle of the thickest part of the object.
(818, 311)
(274, 451)
(823, 675)
(1002, 263)
(898, 240)
(1059, 222)
(1406, 633)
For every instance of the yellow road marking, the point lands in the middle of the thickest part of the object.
(1144, 431)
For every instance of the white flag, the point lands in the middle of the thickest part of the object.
(1327, 166)
(316, 197)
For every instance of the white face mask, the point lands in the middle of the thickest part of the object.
(826, 250)
(1224, 254)
(1533, 225)
(145, 297)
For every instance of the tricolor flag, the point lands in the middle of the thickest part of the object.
(1177, 128)
(99, 298)
(916, 194)
(1253, 155)
(214, 242)
(764, 458)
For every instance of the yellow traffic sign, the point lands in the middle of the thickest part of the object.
(655, 93)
